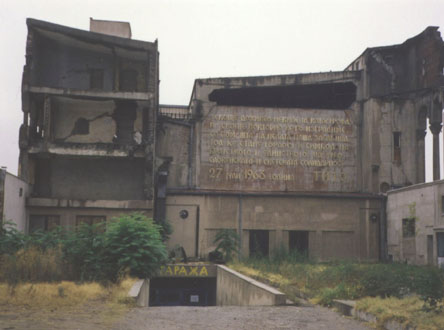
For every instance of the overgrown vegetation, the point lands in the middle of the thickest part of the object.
(227, 241)
(131, 245)
(350, 280)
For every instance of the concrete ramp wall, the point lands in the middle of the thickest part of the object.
(235, 289)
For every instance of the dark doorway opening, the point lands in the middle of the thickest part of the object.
(259, 242)
(298, 241)
(182, 291)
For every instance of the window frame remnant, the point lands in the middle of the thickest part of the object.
(408, 227)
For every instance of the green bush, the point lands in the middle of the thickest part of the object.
(227, 241)
(83, 250)
(11, 239)
(133, 244)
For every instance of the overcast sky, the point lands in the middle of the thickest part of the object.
(208, 38)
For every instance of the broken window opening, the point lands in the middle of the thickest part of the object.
(81, 127)
(124, 115)
(96, 79)
(298, 241)
(43, 222)
(316, 96)
(397, 147)
(128, 80)
(259, 243)
(408, 227)
(99, 221)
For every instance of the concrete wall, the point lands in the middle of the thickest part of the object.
(173, 141)
(68, 212)
(100, 117)
(15, 192)
(89, 178)
(340, 229)
(63, 63)
(234, 289)
(114, 28)
(423, 203)
(379, 164)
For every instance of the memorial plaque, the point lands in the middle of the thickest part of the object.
(275, 149)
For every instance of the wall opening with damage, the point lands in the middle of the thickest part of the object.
(317, 96)
(89, 179)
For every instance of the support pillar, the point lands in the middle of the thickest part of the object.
(435, 128)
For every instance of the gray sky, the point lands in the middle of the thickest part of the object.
(208, 38)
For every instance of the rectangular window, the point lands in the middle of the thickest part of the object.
(440, 242)
(92, 220)
(397, 147)
(442, 205)
(408, 227)
(43, 222)
(259, 241)
(298, 241)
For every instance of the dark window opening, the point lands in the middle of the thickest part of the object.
(259, 241)
(96, 79)
(298, 242)
(124, 115)
(408, 227)
(128, 80)
(99, 221)
(317, 96)
(182, 292)
(43, 222)
(442, 204)
(397, 147)
(440, 242)
(430, 249)
(81, 127)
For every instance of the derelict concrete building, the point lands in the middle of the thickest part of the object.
(304, 161)
(87, 142)
(294, 161)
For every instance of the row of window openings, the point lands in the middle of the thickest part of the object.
(51, 222)
(409, 231)
(259, 242)
(127, 80)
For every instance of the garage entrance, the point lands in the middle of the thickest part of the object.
(183, 292)
(184, 285)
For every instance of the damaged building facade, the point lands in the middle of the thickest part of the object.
(87, 142)
(304, 161)
(300, 162)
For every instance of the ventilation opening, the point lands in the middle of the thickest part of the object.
(317, 96)
(182, 292)
(259, 241)
(298, 242)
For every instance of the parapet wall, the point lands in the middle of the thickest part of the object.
(236, 289)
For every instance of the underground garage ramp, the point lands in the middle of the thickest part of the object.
(203, 285)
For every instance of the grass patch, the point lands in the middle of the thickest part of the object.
(411, 295)
(408, 311)
(63, 294)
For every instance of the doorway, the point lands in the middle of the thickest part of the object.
(259, 243)
(298, 241)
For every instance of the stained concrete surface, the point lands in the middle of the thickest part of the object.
(241, 318)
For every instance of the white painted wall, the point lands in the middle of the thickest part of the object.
(16, 191)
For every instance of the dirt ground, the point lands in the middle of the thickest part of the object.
(96, 316)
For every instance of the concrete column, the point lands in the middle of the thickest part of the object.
(46, 118)
(435, 128)
(420, 155)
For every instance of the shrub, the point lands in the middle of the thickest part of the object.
(133, 244)
(11, 239)
(227, 241)
(84, 252)
(32, 265)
